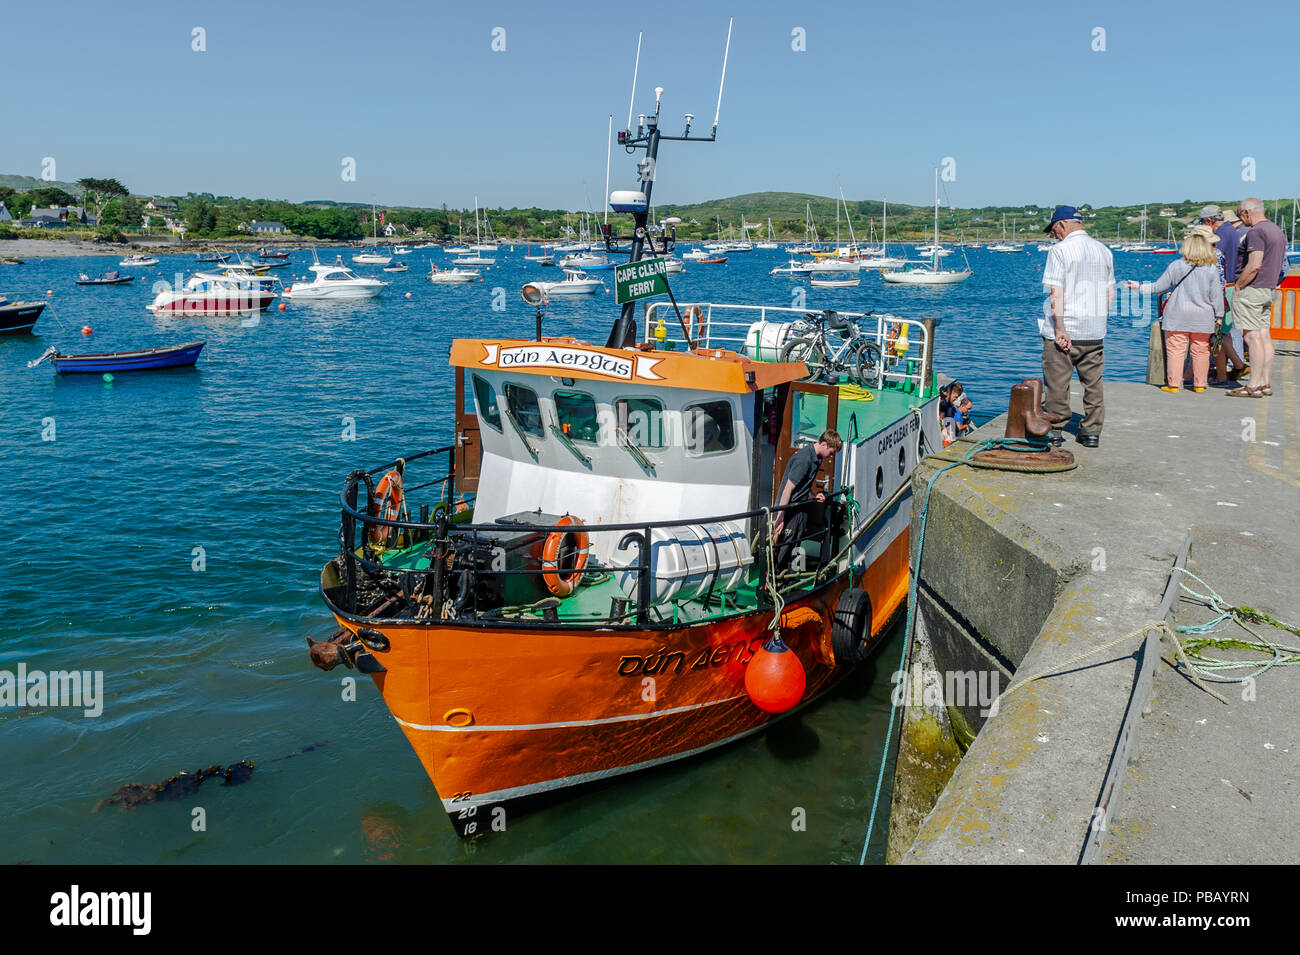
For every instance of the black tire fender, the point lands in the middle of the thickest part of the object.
(851, 628)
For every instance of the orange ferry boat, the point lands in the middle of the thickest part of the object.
(589, 588)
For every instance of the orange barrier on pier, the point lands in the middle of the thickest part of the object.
(1284, 322)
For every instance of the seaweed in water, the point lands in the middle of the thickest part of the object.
(177, 787)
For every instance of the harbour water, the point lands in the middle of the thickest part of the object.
(167, 529)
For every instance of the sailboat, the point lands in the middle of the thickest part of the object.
(880, 258)
(1173, 243)
(476, 259)
(1141, 245)
(809, 243)
(1004, 245)
(376, 257)
(769, 243)
(933, 275)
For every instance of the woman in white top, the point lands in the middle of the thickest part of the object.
(1193, 310)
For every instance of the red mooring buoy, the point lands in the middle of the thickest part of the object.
(775, 678)
(86, 330)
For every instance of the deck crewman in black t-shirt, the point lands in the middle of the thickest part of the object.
(797, 487)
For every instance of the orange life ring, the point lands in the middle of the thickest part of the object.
(695, 318)
(557, 585)
(389, 496)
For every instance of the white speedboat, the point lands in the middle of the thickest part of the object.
(673, 265)
(402, 250)
(583, 260)
(473, 261)
(453, 276)
(372, 258)
(140, 260)
(335, 282)
(207, 294)
(795, 267)
(836, 282)
(575, 282)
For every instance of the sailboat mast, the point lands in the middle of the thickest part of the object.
(934, 253)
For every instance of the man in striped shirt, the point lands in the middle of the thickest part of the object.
(1079, 278)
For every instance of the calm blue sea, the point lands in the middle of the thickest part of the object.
(243, 457)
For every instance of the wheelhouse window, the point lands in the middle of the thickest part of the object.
(485, 398)
(522, 404)
(575, 413)
(642, 420)
(707, 428)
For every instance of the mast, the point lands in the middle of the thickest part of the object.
(934, 252)
(648, 137)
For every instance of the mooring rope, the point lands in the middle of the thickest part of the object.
(1018, 444)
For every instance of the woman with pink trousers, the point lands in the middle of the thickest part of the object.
(1193, 310)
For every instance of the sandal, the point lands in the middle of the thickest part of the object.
(1266, 391)
(1245, 391)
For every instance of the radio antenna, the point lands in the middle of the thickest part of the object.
(609, 139)
(725, 53)
(632, 99)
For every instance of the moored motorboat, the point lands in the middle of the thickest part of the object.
(335, 281)
(206, 294)
(18, 317)
(398, 266)
(108, 278)
(452, 276)
(171, 356)
(795, 268)
(575, 282)
(139, 260)
(853, 282)
(592, 586)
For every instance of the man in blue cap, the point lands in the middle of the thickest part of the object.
(1079, 278)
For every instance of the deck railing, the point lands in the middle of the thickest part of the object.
(453, 569)
(715, 325)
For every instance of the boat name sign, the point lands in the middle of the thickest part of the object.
(640, 279)
(577, 359)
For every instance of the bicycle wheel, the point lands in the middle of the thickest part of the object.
(810, 350)
(868, 363)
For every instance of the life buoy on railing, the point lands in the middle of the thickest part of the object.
(695, 318)
(558, 584)
(388, 497)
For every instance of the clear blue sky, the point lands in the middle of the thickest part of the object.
(1013, 92)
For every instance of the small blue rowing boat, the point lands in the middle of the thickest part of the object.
(144, 360)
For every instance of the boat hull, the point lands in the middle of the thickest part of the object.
(181, 355)
(501, 714)
(19, 317)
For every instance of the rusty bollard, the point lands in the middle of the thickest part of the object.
(1025, 420)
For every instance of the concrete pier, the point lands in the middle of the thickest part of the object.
(1025, 573)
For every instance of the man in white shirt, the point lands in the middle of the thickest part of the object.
(1079, 278)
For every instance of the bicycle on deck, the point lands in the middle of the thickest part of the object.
(836, 348)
